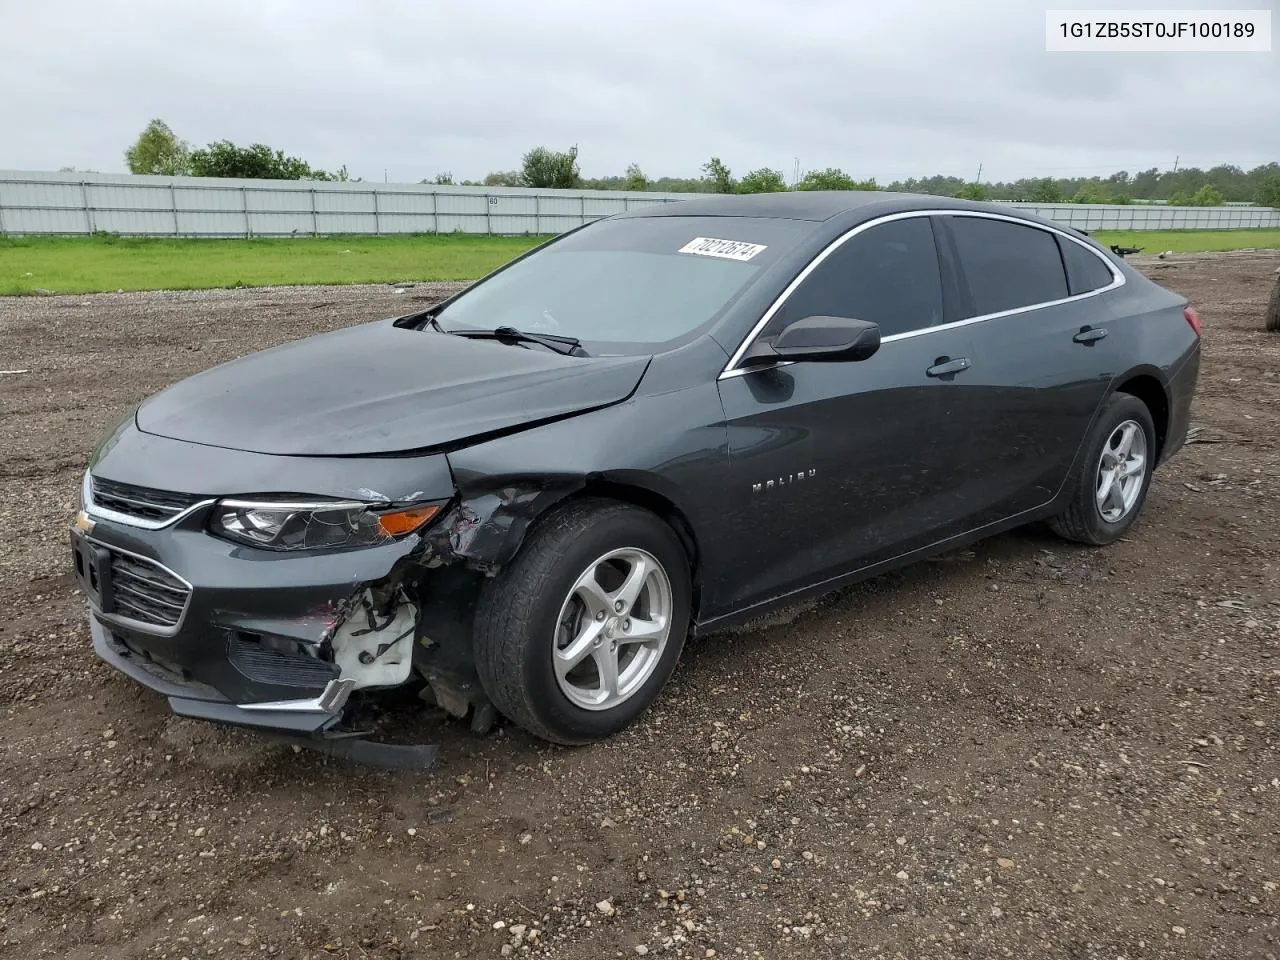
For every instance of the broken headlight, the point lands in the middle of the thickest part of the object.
(315, 524)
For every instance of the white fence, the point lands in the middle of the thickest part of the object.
(62, 203)
(1096, 216)
(35, 203)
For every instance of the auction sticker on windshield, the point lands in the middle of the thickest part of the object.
(726, 249)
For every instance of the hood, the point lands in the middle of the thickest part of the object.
(378, 388)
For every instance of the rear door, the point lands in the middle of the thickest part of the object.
(834, 466)
(1043, 357)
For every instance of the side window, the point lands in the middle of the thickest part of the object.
(1007, 265)
(1085, 270)
(888, 275)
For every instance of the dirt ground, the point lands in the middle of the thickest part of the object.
(1027, 749)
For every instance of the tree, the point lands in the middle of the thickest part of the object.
(603, 183)
(1232, 182)
(1046, 191)
(441, 179)
(718, 176)
(550, 169)
(635, 178)
(763, 180)
(1268, 194)
(937, 186)
(834, 178)
(1207, 196)
(972, 191)
(831, 178)
(158, 151)
(502, 178)
(1090, 191)
(256, 162)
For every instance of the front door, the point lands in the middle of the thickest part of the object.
(836, 466)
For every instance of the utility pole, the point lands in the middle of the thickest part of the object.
(978, 178)
(795, 177)
(1175, 162)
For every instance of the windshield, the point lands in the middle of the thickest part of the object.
(632, 285)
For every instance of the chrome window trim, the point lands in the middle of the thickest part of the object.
(731, 369)
(103, 513)
(141, 626)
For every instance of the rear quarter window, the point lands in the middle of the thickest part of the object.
(1085, 270)
(1006, 265)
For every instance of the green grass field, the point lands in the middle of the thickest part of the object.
(1190, 241)
(93, 264)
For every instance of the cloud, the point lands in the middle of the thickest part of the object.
(911, 88)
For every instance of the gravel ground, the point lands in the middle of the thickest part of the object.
(1025, 749)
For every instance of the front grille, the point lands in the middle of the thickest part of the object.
(265, 665)
(141, 502)
(143, 590)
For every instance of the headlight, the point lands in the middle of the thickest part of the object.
(315, 524)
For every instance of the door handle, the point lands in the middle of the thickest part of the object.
(1090, 335)
(945, 366)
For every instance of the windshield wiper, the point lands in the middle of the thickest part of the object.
(569, 346)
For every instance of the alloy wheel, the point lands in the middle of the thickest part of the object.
(612, 629)
(1122, 470)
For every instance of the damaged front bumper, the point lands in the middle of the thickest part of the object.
(274, 640)
(240, 636)
(189, 697)
(311, 723)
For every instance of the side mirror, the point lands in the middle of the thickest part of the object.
(822, 339)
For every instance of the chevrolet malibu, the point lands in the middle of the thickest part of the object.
(525, 499)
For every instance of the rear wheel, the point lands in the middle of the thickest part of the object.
(1110, 485)
(576, 637)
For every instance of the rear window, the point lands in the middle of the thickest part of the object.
(631, 285)
(1085, 270)
(1007, 265)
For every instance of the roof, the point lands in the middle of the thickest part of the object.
(816, 205)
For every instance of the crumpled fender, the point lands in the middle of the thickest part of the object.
(484, 529)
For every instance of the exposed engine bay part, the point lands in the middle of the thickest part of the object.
(374, 644)
(458, 698)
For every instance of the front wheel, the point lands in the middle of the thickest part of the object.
(1110, 485)
(576, 637)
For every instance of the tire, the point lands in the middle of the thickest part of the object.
(542, 610)
(1085, 520)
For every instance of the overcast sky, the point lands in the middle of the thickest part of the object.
(890, 90)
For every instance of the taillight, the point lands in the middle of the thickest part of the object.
(1193, 319)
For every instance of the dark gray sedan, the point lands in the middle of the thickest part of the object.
(529, 496)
